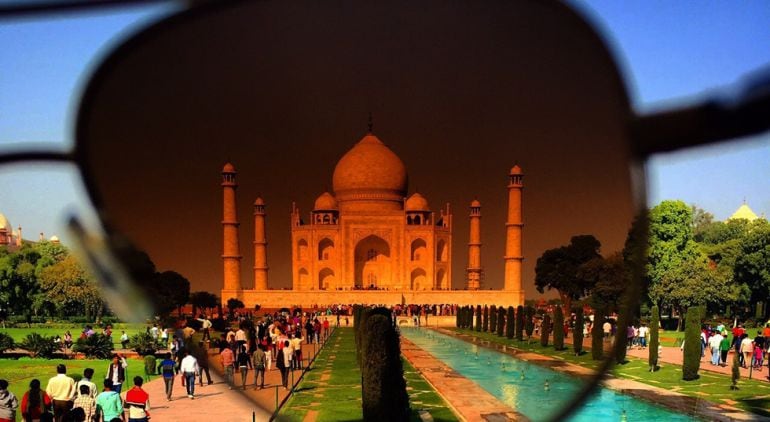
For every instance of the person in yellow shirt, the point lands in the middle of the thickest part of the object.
(61, 389)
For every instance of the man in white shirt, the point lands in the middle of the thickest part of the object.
(88, 373)
(714, 342)
(189, 368)
(643, 330)
(61, 389)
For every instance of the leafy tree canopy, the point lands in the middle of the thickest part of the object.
(558, 268)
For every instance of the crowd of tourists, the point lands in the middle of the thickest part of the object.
(64, 400)
(750, 352)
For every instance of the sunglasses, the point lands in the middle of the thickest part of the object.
(458, 92)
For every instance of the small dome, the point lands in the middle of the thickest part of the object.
(515, 170)
(259, 201)
(5, 224)
(475, 203)
(370, 171)
(417, 202)
(743, 212)
(54, 239)
(325, 202)
(228, 168)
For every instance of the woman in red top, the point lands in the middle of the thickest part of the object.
(35, 402)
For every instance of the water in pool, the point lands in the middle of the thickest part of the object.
(522, 385)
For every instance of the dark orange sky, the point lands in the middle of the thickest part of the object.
(460, 91)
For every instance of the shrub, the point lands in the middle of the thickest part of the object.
(492, 319)
(736, 374)
(6, 343)
(577, 333)
(485, 320)
(97, 346)
(364, 313)
(597, 335)
(510, 325)
(457, 319)
(653, 351)
(144, 344)
(150, 367)
(692, 346)
(40, 346)
(520, 323)
(384, 396)
(500, 321)
(558, 329)
(529, 324)
(478, 317)
(545, 330)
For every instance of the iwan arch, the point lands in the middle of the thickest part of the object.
(367, 243)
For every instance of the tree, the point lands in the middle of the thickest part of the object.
(492, 318)
(529, 324)
(485, 320)
(577, 333)
(478, 317)
(597, 335)
(558, 329)
(384, 396)
(203, 300)
(500, 321)
(692, 344)
(71, 289)
(752, 266)
(545, 330)
(558, 269)
(608, 278)
(172, 291)
(520, 323)
(233, 304)
(6, 343)
(653, 350)
(510, 325)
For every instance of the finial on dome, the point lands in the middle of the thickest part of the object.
(370, 125)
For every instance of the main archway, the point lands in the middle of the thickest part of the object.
(372, 263)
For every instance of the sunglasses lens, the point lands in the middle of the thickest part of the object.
(458, 93)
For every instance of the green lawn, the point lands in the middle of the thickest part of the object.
(753, 395)
(333, 387)
(19, 334)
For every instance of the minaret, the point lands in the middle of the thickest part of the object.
(260, 246)
(19, 240)
(231, 255)
(474, 248)
(513, 256)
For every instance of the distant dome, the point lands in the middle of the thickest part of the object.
(259, 201)
(5, 224)
(325, 202)
(54, 239)
(475, 203)
(516, 170)
(371, 174)
(417, 202)
(743, 212)
(228, 168)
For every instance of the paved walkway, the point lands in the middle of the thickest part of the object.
(467, 399)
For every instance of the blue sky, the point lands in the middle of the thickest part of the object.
(670, 52)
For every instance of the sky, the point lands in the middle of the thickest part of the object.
(669, 53)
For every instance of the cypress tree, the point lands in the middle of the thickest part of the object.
(597, 335)
(485, 320)
(736, 374)
(457, 319)
(558, 329)
(383, 388)
(478, 317)
(520, 323)
(653, 351)
(529, 323)
(545, 330)
(492, 319)
(500, 321)
(692, 347)
(510, 323)
(577, 333)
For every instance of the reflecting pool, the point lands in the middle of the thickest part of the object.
(532, 390)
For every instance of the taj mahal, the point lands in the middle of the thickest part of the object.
(366, 242)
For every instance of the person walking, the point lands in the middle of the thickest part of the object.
(243, 365)
(138, 402)
(61, 389)
(259, 362)
(228, 361)
(747, 349)
(189, 368)
(283, 362)
(724, 349)
(203, 363)
(86, 402)
(8, 403)
(117, 372)
(715, 342)
(167, 369)
(109, 406)
(35, 403)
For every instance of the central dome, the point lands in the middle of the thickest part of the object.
(370, 174)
